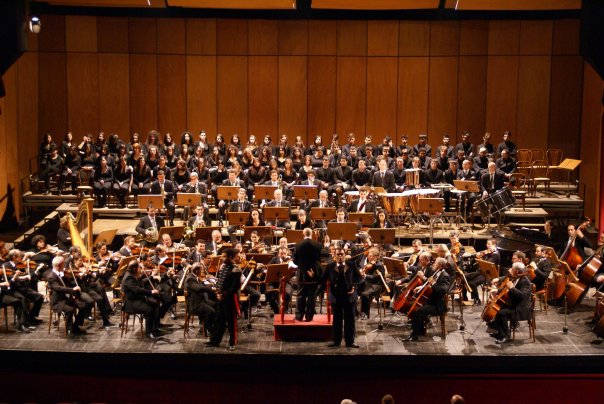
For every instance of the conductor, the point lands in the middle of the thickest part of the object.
(307, 256)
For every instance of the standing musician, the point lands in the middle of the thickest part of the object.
(362, 205)
(435, 304)
(66, 299)
(240, 205)
(138, 299)
(21, 286)
(519, 305)
(200, 297)
(542, 267)
(343, 278)
(272, 297)
(372, 284)
(474, 277)
(165, 188)
(150, 224)
(227, 287)
(307, 256)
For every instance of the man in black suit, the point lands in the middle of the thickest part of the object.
(433, 175)
(273, 296)
(436, 302)
(198, 253)
(362, 205)
(576, 239)
(423, 143)
(307, 256)
(543, 268)
(140, 300)
(278, 202)
(372, 285)
(491, 181)
(165, 188)
(383, 178)
(199, 302)
(361, 176)
(343, 278)
(474, 277)
(126, 250)
(519, 290)
(65, 299)
(467, 173)
(232, 181)
(322, 202)
(148, 224)
(240, 205)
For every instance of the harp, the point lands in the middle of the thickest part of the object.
(82, 221)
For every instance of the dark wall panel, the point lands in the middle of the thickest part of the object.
(114, 91)
(263, 95)
(143, 93)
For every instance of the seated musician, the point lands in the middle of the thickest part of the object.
(231, 181)
(576, 241)
(194, 186)
(322, 202)
(199, 252)
(481, 162)
(254, 245)
(433, 175)
(381, 221)
(436, 302)
(542, 267)
(362, 205)
(411, 259)
(340, 216)
(442, 251)
(455, 246)
(63, 234)
(70, 170)
(342, 176)
(303, 221)
(255, 219)
(215, 245)
(148, 226)
(92, 291)
(491, 181)
(273, 297)
(474, 277)
(519, 305)
(170, 245)
(15, 291)
(164, 278)
(107, 262)
(138, 299)
(66, 299)
(400, 175)
(199, 297)
(506, 164)
(383, 177)
(450, 175)
(240, 205)
(372, 284)
(467, 174)
(422, 264)
(361, 177)
(129, 244)
(166, 188)
(279, 202)
(417, 165)
(200, 219)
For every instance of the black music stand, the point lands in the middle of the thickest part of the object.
(342, 231)
(266, 192)
(306, 192)
(382, 236)
(365, 219)
(205, 233)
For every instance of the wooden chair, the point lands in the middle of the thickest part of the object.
(524, 155)
(519, 187)
(55, 315)
(554, 157)
(85, 188)
(5, 311)
(538, 154)
(540, 174)
(542, 295)
(125, 317)
(531, 320)
(442, 319)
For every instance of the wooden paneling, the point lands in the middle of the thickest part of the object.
(172, 93)
(114, 91)
(52, 76)
(502, 92)
(414, 38)
(293, 37)
(565, 104)
(442, 96)
(142, 35)
(444, 38)
(474, 37)
(143, 93)
(10, 156)
(536, 37)
(263, 37)
(382, 76)
(171, 35)
(567, 36)
(413, 84)
(231, 37)
(351, 95)
(232, 95)
(352, 38)
(293, 84)
(82, 93)
(81, 33)
(201, 36)
(533, 100)
(201, 93)
(382, 38)
(321, 94)
(504, 37)
(112, 34)
(471, 97)
(322, 37)
(263, 100)
(52, 37)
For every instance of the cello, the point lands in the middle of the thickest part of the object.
(563, 275)
(404, 299)
(496, 302)
(423, 294)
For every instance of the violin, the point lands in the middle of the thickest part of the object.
(456, 248)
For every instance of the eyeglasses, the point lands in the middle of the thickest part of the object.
(340, 254)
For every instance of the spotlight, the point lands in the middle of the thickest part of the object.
(35, 25)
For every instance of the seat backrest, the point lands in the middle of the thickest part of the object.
(524, 155)
(540, 169)
(524, 167)
(554, 156)
(518, 181)
(537, 154)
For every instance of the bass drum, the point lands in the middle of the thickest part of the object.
(503, 199)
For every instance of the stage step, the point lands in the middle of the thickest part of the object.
(319, 329)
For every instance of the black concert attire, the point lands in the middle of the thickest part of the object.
(63, 239)
(72, 163)
(122, 184)
(426, 147)
(580, 244)
(273, 297)
(141, 180)
(301, 226)
(307, 255)
(64, 299)
(507, 166)
(94, 293)
(167, 190)
(468, 148)
(492, 182)
(509, 145)
(475, 278)
(480, 164)
(343, 281)
(542, 272)
(435, 304)
(282, 223)
(139, 300)
(361, 178)
(449, 177)
(49, 167)
(237, 206)
(227, 285)
(433, 176)
(8, 297)
(384, 180)
(372, 286)
(519, 308)
(469, 197)
(167, 286)
(199, 301)
(146, 222)
(362, 206)
(24, 288)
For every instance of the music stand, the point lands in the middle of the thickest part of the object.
(263, 231)
(468, 186)
(259, 258)
(175, 232)
(121, 268)
(266, 192)
(382, 236)
(324, 214)
(154, 200)
(279, 214)
(395, 266)
(431, 206)
(342, 231)
(279, 273)
(488, 269)
(306, 192)
(294, 236)
(237, 218)
(365, 219)
(188, 199)
(205, 233)
(227, 192)
(106, 236)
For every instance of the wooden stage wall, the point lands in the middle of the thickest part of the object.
(300, 77)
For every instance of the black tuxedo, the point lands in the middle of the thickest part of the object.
(169, 192)
(372, 286)
(435, 304)
(145, 223)
(360, 179)
(492, 186)
(306, 256)
(63, 299)
(385, 181)
(519, 307)
(368, 208)
(138, 299)
(198, 300)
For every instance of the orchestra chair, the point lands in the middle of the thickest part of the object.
(531, 320)
(55, 315)
(442, 319)
(5, 310)
(188, 317)
(524, 155)
(457, 290)
(125, 317)
(538, 154)
(84, 189)
(519, 187)
(554, 157)
(542, 295)
(524, 167)
(540, 174)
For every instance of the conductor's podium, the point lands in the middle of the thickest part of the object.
(319, 329)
